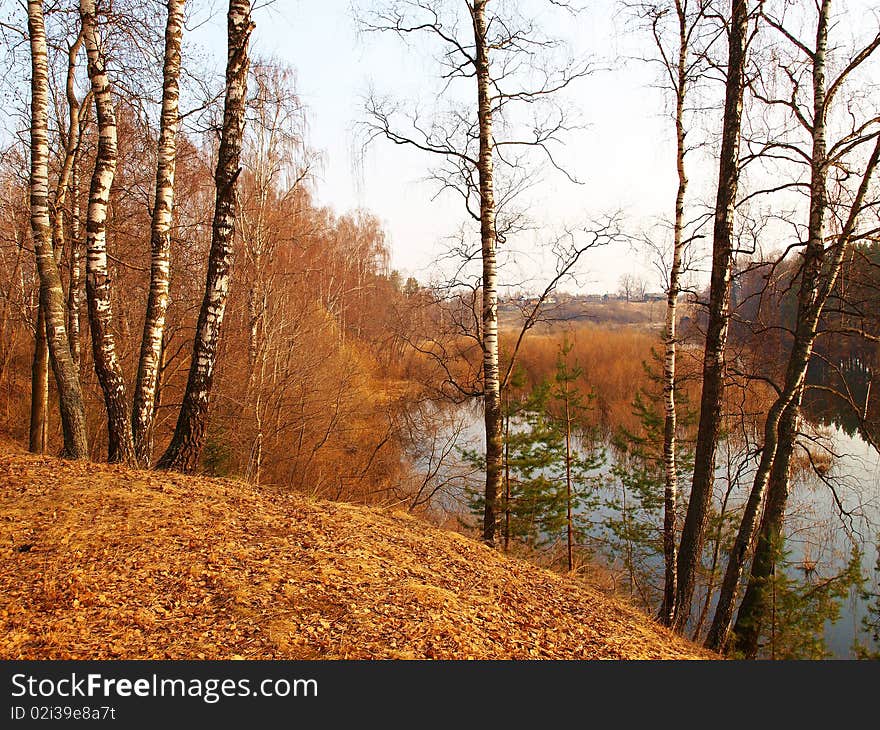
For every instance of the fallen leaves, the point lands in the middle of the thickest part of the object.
(127, 564)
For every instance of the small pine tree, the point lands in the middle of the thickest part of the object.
(578, 484)
(217, 458)
(530, 446)
(550, 460)
(801, 605)
(634, 509)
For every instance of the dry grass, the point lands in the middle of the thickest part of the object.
(613, 363)
(104, 562)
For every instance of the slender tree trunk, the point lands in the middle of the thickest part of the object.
(754, 604)
(568, 517)
(711, 401)
(717, 636)
(73, 420)
(143, 412)
(507, 478)
(189, 435)
(39, 387)
(255, 312)
(713, 566)
(819, 272)
(71, 148)
(40, 366)
(98, 292)
(670, 492)
(489, 241)
(74, 285)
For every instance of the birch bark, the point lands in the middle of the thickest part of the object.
(143, 407)
(51, 292)
(670, 472)
(74, 284)
(186, 445)
(40, 364)
(711, 400)
(120, 446)
(489, 316)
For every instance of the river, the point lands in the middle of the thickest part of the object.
(826, 514)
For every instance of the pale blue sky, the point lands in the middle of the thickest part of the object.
(624, 155)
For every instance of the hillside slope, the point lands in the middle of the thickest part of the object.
(105, 562)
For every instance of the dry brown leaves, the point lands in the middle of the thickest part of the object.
(102, 562)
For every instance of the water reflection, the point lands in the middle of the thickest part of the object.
(834, 505)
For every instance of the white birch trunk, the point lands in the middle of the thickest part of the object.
(98, 292)
(71, 147)
(51, 292)
(143, 410)
(75, 281)
(670, 472)
(488, 238)
(189, 435)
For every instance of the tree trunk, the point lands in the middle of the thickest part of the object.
(39, 387)
(73, 420)
(569, 523)
(107, 366)
(751, 613)
(488, 239)
(74, 285)
(507, 478)
(143, 412)
(711, 400)
(40, 367)
(717, 636)
(71, 148)
(189, 435)
(670, 492)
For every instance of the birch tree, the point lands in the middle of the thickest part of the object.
(75, 274)
(144, 402)
(711, 399)
(681, 63)
(51, 291)
(830, 164)
(487, 50)
(70, 144)
(189, 434)
(120, 446)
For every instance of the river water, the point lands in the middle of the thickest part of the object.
(825, 516)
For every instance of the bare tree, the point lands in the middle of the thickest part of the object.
(276, 164)
(51, 292)
(186, 445)
(144, 402)
(489, 51)
(70, 143)
(632, 287)
(98, 295)
(681, 64)
(711, 399)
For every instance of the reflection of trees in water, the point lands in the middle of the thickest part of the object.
(817, 607)
(844, 397)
